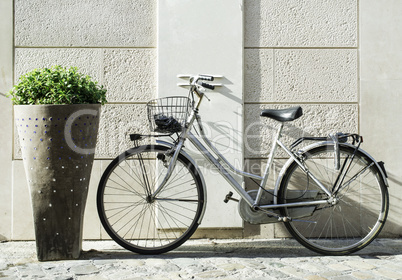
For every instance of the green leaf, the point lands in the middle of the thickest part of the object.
(57, 85)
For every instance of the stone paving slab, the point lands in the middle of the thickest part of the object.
(207, 259)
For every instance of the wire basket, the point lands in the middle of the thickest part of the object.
(168, 114)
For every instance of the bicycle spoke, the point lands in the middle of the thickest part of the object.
(139, 222)
(356, 212)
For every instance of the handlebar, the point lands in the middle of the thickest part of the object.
(197, 80)
(197, 84)
(206, 78)
(205, 85)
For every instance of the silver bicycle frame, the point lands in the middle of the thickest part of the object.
(216, 161)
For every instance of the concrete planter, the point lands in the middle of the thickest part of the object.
(58, 145)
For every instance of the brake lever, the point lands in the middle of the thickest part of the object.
(202, 90)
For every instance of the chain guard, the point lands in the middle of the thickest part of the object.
(257, 217)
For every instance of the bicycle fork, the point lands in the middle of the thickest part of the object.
(172, 165)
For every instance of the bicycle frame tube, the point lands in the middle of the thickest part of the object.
(220, 156)
(322, 187)
(233, 182)
(172, 163)
(204, 151)
(186, 134)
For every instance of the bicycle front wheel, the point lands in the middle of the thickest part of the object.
(359, 209)
(130, 215)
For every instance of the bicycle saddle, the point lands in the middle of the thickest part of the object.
(283, 115)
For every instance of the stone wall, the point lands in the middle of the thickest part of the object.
(320, 54)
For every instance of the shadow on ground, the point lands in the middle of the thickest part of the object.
(243, 249)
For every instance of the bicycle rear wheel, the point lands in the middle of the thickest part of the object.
(358, 212)
(139, 223)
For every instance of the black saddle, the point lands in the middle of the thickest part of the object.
(283, 115)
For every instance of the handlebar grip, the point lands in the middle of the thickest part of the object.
(208, 86)
(206, 78)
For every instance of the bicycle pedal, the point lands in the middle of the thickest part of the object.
(229, 197)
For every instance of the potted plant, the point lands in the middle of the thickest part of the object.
(57, 114)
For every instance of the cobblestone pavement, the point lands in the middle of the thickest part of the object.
(206, 259)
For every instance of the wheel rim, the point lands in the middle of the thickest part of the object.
(357, 214)
(140, 223)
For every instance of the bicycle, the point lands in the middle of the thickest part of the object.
(331, 195)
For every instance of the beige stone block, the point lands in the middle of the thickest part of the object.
(317, 75)
(130, 75)
(92, 223)
(88, 61)
(23, 226)
(103, 165)
(301, 23)
(317, 120)
(85, 23)
(117, 122)
(258, 75)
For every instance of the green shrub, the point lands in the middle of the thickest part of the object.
(57, 85)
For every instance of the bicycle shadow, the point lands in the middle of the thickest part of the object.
(288, 248)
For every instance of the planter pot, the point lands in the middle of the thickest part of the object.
(58, 145)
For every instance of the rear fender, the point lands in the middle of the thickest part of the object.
(315, 145)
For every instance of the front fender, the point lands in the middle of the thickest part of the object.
(315, 145)
(198, 171)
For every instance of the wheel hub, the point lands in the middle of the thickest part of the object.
(149, 199)
(333, 200)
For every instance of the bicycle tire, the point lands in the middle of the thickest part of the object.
(131, 218)
(348, 225)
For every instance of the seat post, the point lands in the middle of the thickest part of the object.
(269, 163)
